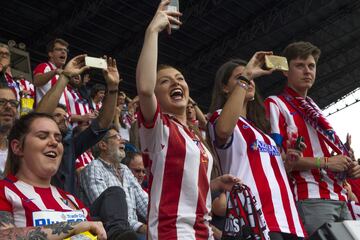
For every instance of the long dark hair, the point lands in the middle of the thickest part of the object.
(19, 131)
(255, 110)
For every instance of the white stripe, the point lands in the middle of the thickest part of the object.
(18, 209)
(30, 193)
(57, 196)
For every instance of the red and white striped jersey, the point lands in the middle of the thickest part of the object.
(313, 183)
(253, 156)
(96, 106)
(75, 103)
(354, 209)
(25, 202)
(13, 85)
(180, 168)
(25, 85)
(84, 159)
(41, 91)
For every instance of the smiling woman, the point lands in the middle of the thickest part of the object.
(26, 195)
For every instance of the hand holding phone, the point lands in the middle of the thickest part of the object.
(174, 6)
(96, 62)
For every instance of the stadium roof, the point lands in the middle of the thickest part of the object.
(213, 31)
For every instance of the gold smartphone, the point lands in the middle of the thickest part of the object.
(276, 62)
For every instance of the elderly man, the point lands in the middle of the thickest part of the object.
(106, 171)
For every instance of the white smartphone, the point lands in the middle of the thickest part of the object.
(174, 6)
(96, 62)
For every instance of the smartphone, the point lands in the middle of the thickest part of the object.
(174, 6)
(276, 62)
(298, 142)
(96, 62)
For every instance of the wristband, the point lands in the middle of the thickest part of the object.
(113, 91)
(318, 162)
(326, 162)
(242, 78)
(243, 85)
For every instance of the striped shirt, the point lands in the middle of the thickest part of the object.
(23, 200)
(253, 156)
(41, 91)
(75, 103)
(314, 183)
(180, 168)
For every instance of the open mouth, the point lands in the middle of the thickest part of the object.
(63, 58)
(51, 154)
(177, 94)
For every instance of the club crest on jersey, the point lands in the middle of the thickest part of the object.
(244, 126)
(264, 147)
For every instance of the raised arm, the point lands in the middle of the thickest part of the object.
(234, 105)
(112, 78)
(55, 231)
(41, 79)
(51, 99)
(147, 64)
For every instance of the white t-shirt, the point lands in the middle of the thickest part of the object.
(3, 156)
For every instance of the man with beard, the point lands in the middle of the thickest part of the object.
(8, 114)
(106, 171)
(47, 74)
(75, 146)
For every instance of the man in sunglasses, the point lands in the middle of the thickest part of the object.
(46, 74)
(8, 114)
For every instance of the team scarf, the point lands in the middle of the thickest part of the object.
(312, 114)
(244, 218)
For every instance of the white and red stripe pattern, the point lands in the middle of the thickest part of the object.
(180, 200)
(25, 85)
(354, 209)
(13, 85)
(22, 199)
(76, 104)
(313, 183)
(41, 91)
(84, 159)
(253, 156)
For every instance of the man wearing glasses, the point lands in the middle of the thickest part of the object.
(8, 113)
(46, 74)
(5, 75)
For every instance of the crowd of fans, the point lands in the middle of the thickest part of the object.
(77, 156)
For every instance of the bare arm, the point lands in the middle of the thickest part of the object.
(336, 163)
(52, 232)
(42, 78)
(147, 64)
(235, 103)
(199, 115)
(112, 79)
(51, 99)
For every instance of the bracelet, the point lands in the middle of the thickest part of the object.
(242, 78)
(113, 91)
(326, 162)
(243, 85)
(318, 162)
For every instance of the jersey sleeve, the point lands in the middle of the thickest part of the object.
(41, 68)
(277, 122)
(5, 205)
(152, 133)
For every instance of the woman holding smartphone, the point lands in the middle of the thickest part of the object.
(238, 130)
(180, 164)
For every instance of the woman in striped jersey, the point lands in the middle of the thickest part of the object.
(30, 207)
(180, 164)
(238, 133)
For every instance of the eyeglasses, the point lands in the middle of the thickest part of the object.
(5, 54)
(61, 49)
(114, 136)
(13, 103)
(138, 170)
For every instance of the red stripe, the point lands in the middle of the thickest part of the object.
(284, 193)
(170, 192)
(261, 181)
(201, 229)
